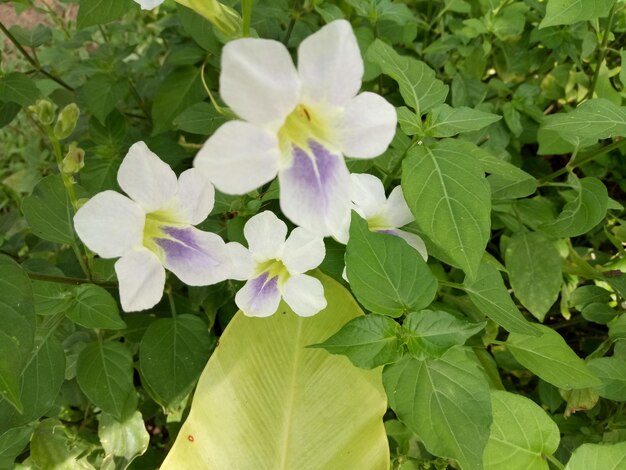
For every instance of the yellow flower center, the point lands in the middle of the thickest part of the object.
(153, 228)
(273, 268)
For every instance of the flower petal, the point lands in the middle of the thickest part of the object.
(149, 4)
(397, 209)
(266, 236)
(196, 196)
(368, 195)
(239, 157)
(303, 251)
(241, 264)
(259, 297)
(110, 224)
(197, 258)
(315, 191)
(146, 178)
(141, 279)
(304, 294)
(412, 239)
(259, 81)
(330, 64)
(367, 126)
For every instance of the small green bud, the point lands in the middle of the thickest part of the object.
(74, 161)
(68, 117)
(223, 17)
(44, 110)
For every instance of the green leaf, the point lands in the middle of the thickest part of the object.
(53, 447)
(410, 123)
(587, 295)
(610, 371)
(8, 111)
(18, 88)
(264, 383)
(522, 434)
(431, 333)
(94, 307)
(491, 297)
(10, 371)
(446, 121)
(506, 180)
(172, 354)
(549, 357)
(583, 213)
(445, 402)
(178, 91)
(386, 275)
(101, 93)
(369, 341)
(122, 441)
(449, 196)
(201, 118)
(598, 456)
(48, 211)
(572, 11)
(418, 86)
(101, 11)
(105, 374)
(51, 297)
(12, 443)
(199, 28)
(32, 38)
(534, 267)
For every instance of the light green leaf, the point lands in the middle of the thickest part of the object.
(172, 354)
(583, 213)
(94, 307)
(506, 180)
(572, 11)
(449, 196)
(521, 436)
(491, 297)
(549, 357)
(101, 11)
(105, 374)
(386, 275)
(410, 123)
(18, 88)
(262, 382)
(594, 119)
(534, 267)
(598, 456)
(369, 341)
(122, 441)
(31, 37)
(445, 402)
(610, 371)
(101, 93)
(431, 333)
(201, 118)
(51, 297)
(418, 86)
(52, 447)
(446, 121)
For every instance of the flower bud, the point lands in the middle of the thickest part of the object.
(224, 18)
(74, 161)
(44, 110)
(68, 117)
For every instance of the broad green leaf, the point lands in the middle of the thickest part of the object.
(610, 371)
(93, 307)
(48, 211)
(105, 374)
(431, 333)
(587, 295)
(598, 456)
(101, 11)
(262, 382)
(534, 267)
(386, 275)
(549, 357)
(491, 297)
(599, 313)
(449, 196)
(201, 118)
(10, 371)
(51, 297)
(506, 180)
(617, 328)
(583, 213)
(572, 11)
(12, 443)
(522, 434)
(172, 355)
(18, 88)
(53, 447)
(122, 441)
(8, 111)
(31, 37)
(410, 123)
(101, 93)
(368, 341)
(446, 121)
(418, 86)
(177, 92)
(199, 28)
(445, 402)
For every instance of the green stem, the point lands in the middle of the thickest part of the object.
(602, 51)
(170, 297)
(552, 459)
(75, 281)
(140, 102)
(295, 14)
(246, 13)
(217, 107)
(454, 285)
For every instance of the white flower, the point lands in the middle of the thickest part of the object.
(277, 268)
(382, 214)
(149, 4)
(154, 229)
(298, 124)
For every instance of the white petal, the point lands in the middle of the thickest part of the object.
(330, 64)
(368, 195)
(304, 294)
(303, 251)
(110, 224)
(259, 297)
(259, 81)
(266, 236)
(196, 196)
(141, 279)
(368, 126)
(239, 157)
(146, 178)
(241, 263)
(197, 258)
(149, 4)
(412, 239)
(315, 192)
(398, 211)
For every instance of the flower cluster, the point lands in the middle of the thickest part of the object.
(297, 123)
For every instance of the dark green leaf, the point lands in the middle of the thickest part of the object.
(32, 38)
(101, 11)
(18, 88)
(93, 307)
(572, 11)
(201, 118)
(610, 371)
(446, 121)
(101, 93)
(10, 371)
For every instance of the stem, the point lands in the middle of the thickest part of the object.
(295, 14)
(140, 102)
(552, 459)
(170, 297)
(246, 13)
(217, 107)
(602, 52)
(454, 285)
(75, 281)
